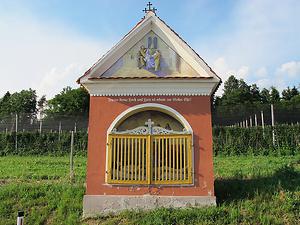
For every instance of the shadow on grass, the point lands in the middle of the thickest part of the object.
(238, 188)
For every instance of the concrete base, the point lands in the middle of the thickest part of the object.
(94, 205)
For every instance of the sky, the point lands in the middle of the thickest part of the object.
(46, 45)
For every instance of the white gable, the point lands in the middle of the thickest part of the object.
(176, 59)
(150, 57)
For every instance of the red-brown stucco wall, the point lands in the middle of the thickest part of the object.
(197, 111)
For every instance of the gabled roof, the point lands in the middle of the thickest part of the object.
(150, 23)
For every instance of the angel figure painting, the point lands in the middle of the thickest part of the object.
(149, 58)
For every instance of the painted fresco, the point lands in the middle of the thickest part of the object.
(150, 57)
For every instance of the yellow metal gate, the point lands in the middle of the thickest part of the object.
(149, 159)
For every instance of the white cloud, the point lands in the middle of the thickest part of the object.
(221, 67)
(264, 32)
(54, 79)
(277, 82)
(257, 35)
(284, 76)
(43, 56)
(261, 72)
(243, 72)
(291, 69)
(261, 76)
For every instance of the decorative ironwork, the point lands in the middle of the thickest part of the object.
(150, 9)
(150, 129)
(139, 130)
(160, 130)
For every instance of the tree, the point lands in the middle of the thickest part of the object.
(241, 100)
(255, 94)
(216, 101)
(288, 94)
(295, 100)
(274, 95)
(265, 96)
(230, 85)
(41, 105)
(69, 102)
(295, 91)
(23, 102)
(41, 102)
(5, 104)
(235, 92)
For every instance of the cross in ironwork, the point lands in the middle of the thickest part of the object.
(149, 8)
(149, 124)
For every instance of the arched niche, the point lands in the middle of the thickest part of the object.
(162, 115)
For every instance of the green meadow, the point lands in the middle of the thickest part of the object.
(249, 189)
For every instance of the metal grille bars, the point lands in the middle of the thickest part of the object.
(149, 159)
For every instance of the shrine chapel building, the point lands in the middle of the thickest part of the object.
(150, 129)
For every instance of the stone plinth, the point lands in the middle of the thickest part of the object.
(94, 205)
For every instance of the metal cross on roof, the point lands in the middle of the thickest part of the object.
(149, 4)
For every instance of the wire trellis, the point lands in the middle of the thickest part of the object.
(237, 115)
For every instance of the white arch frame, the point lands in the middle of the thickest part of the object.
(150, 106)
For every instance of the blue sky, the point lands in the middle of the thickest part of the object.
(46, 45)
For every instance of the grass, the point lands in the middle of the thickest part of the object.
(250, 190)
(34, 168)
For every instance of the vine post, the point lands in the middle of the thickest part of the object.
(71, 158)
(16, 142)
(273, 124)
